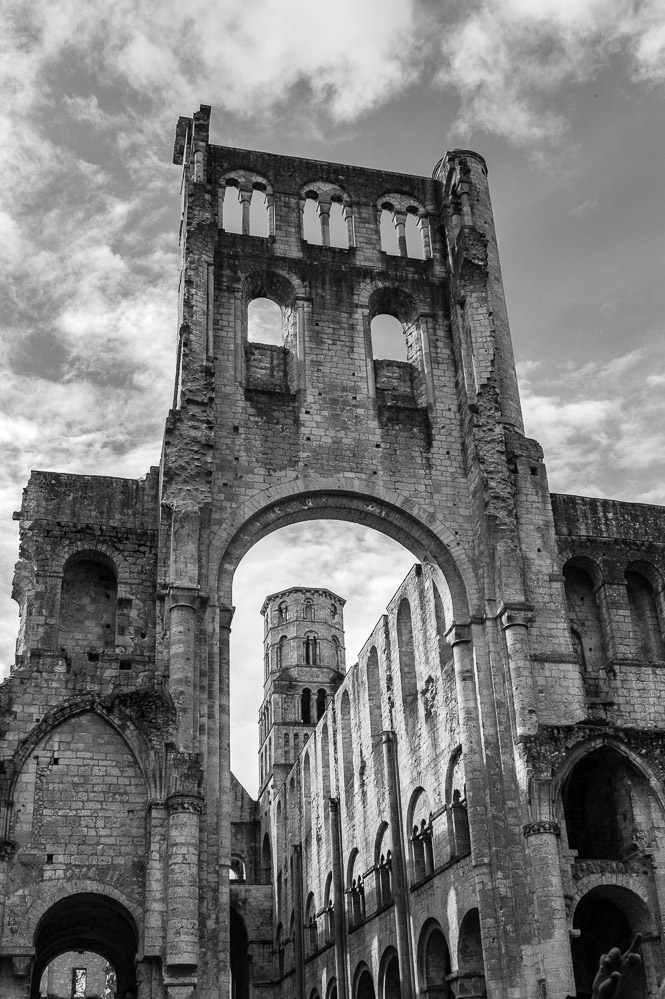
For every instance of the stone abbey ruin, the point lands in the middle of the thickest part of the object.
(477, 807)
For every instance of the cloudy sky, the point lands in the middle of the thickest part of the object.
(564, 98)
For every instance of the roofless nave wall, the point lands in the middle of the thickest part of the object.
(484, 784)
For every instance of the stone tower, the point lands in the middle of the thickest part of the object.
(484, 794)
(304, 662)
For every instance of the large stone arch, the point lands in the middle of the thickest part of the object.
(92, 921)
(333, 499)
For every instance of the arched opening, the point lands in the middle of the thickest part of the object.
(339, 230)
(238, 868)
(585, 623)
(383, 866)
(607, 806)
(259, 219)
(607, 916)
(390, 975)
(310, 542)
(78, 974)
(239, 957)
(364, 985)
(311, 223)
(307, 794)
(325, 762)
(87, 922)
(88, 605)
(308, 610)
(266, 861)
(470, 952)
(311, 650)
(320, 703)
(456, 807)
(389, 241)
(420, 825)
(374, 693)
(433, 962)
(347, 738)
(306, 706)
(265, 323)
(407, 658)
(232, 210)
(414, 238)
(355, 890)
(388, 339)
(644, 618)
(311, 931)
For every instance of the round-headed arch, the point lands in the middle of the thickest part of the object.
(87, 920)
(419, 532)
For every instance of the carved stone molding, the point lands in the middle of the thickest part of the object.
(542, 826)
(185, 803)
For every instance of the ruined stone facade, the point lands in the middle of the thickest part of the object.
(476, 807)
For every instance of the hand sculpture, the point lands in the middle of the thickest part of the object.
(614, 969)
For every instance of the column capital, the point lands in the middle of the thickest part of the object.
(187, 596)
(22, 963)
(458, 634)
(542, 826)
(180, 802)
(226, 616)
(517, 614)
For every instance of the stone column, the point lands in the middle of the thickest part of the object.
(245, 195)
(338, 899)
(298, 943)
(541, 837)
(225, 618)
(22, 968)
(324, 215)
(399, 221)
(515, 621)
(155, 889)
(400, 889)
(182, 919)
(182, 636)
(423, 225)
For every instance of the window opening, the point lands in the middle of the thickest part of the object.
(306, 706)
(78, 983)
(374, 693)
(414, 239)
(259, 223)
(339, 235)
(644, 617)
(264, 325)
(311, 223)
(337, 658)
(389, 241)
(407, 661)
(309, 610)
(282, 612)
(347, 738)
(320, 703)
(311, 650)
(388, 338)
(281, 653)
(232, 218)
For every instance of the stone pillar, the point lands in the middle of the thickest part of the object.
(324, 215)
(270, 207)
(245, 195)
(155, 889)
(338, 899)
(423, 225)
(400, 889)
(369, 354)
(182, 912)
(399, 221)
(298, 943)
(515, 621)
(541, 837)
(225, 618)
(182, 637)
(424, 325)
(301, 344)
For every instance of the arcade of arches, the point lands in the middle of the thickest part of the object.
(475, 804)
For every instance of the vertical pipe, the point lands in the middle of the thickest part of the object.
(400, 892)
(338, 900)
(298, 943)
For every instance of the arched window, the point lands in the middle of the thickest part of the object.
(390, 975)
(287, 748)
(237, 870)
(311, 224)
(281, 653)
(644, 617)
(434, 962)
(265, 324)
(339, 229)
(374, 693)
(309, 610)
(347, 738)
(420, 824)
(312, 944)
(388, 338)
(407, 659)
(306, 706)
(307, 794)
(296, 745)
(259, 218)
(320, 703)
(325, 762)
(456, 805)
(389, 243)
(383, 866)
(329, 909)
(469, 945)
(408, 221)
(336, 653)
(282, 612)
(232, 212)
(355, 891)
(584, 617)
(266, 861)
(88, 605)
(311, 650)
(414, 239)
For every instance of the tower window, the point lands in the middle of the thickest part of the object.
(309, 610)
(320, 703)
(282, 612)
(306, 706)
(311, 650)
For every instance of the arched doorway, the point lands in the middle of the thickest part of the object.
(607, 916)
(239, 957)
(390, 978)
(364, 986)
(87, 921)
(433, 962)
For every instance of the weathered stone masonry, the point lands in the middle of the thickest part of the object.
(459, 812)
